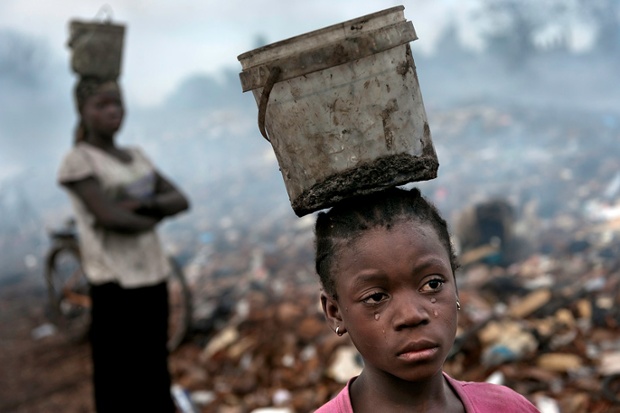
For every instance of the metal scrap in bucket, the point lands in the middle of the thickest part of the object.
(342, 109)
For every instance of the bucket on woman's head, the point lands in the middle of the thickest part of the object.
(342, 109)
(97, 48)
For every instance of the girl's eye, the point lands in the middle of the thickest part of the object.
(433, 285)
(375, 298)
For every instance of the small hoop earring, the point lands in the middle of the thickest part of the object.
(458, 305)
(338, 331)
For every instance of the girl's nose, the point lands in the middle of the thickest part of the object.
(116, 110)
(410, 311)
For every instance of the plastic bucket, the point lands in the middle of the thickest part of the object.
(342, 109)
(97, 48)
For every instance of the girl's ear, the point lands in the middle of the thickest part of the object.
(331, 309)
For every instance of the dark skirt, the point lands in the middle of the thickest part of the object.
(129, 331)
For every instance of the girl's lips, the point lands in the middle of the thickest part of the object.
(114, 123)
(418, 350)
(418, 355)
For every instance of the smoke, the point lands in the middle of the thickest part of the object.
(493, 120)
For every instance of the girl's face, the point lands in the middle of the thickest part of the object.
(396, 299)
(103, 112)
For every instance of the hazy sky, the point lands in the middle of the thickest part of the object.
(168, 40)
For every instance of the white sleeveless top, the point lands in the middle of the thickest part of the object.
(132, 260)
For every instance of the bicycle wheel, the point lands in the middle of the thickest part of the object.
(68, 293)
(180, 304)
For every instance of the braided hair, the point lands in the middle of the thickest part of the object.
(349, 219)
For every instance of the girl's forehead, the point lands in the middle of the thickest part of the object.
(405, 249)
(108, 93)
(406, 230)
(404, 225)
(108, 87)
(104, 95)
(105, 89)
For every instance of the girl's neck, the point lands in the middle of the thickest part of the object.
(108, 146)
(105, 143)
(394, 395)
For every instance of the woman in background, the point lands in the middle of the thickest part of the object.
(119, 198)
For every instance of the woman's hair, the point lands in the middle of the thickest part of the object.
(86, 87)
(351, 218)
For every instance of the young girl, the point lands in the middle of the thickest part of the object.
(387, 269)
(119, 197)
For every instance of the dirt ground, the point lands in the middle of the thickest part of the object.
(48, 374)
(39, 375)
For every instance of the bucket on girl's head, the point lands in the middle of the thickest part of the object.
(342, 109)
(97, 48)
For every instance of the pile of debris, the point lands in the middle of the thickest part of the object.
(541, 320)
(546, 326)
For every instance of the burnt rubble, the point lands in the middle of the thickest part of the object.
(539, 317)
(533, 199)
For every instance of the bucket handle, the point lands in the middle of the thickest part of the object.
(106, 10)
(274, 73)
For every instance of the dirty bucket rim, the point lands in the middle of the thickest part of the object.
(316, 32)
(329, 55)
(114, 25)
(79, 27)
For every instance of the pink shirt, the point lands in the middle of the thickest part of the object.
(476, 398)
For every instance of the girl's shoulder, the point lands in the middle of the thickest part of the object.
(482, 397)
(339, 404)
(76, 155)
(75, 164)
(129, 154)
